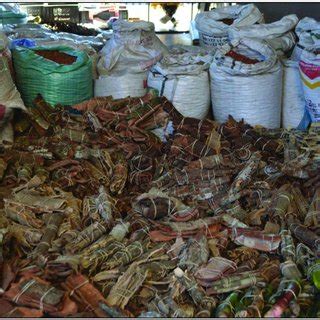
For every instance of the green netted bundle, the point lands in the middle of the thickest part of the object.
(66, 84)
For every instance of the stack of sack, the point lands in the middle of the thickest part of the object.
(182, 77)
(213, 26)
(246, 82)
(126, 59)
(62, 75)
(9, 96)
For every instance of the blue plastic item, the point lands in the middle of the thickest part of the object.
(22, 43)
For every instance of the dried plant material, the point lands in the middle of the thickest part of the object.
(101, 218)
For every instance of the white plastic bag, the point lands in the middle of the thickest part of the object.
(182, 77)
(247, 91)
(293, 96)
(213, 32)
(278, 34)
(121, 86)
(309, 67)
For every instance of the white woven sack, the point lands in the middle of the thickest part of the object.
(190, 94)
(214, 33)
(308, 32)
(127, 59)
(283, 44)
(278, 34)
(292, 96)
(137, 33)
(121, 86)
(133, 46)
(182, 77)
(9, 95)
(309, 67)
(249, 92)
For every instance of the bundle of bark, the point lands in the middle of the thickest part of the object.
(99, 217)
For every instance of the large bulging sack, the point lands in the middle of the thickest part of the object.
(308, 32)
(61, 75)
(127, 78)
(278, 34)
(88, 49)
(182, 77)
(246, 82)
(126, 59)
(292, 95)
(309, 66)
(133, 47)
(213, 25)
(9, 95)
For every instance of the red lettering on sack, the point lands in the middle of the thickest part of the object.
(2, 111)
(310, 70)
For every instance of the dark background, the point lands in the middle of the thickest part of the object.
(276, 10)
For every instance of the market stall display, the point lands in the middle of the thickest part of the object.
(133, 203)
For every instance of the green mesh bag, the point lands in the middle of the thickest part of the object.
(57, 83)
